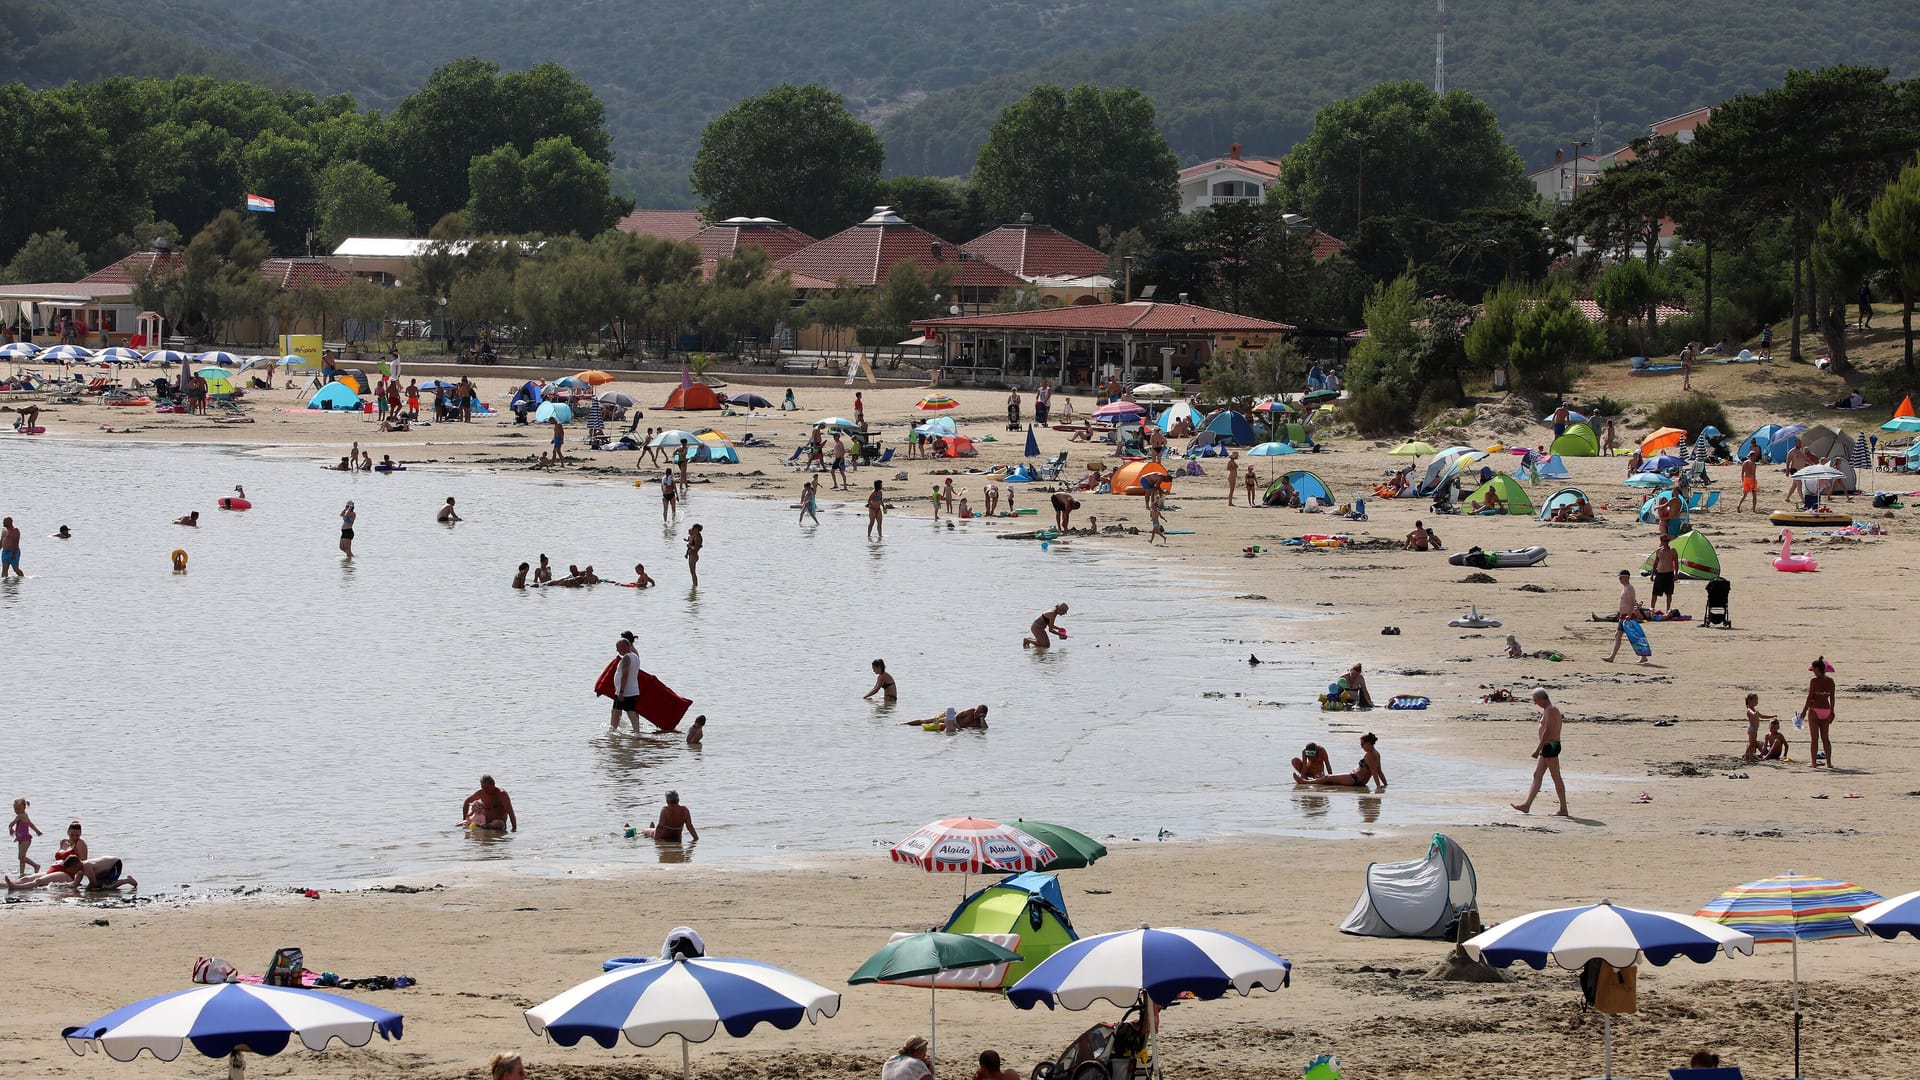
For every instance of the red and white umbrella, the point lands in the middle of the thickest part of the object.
(967, 845)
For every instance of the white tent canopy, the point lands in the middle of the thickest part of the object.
(1422, 898)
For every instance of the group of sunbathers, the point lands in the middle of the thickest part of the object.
(540, 577)
(73, 864)
(1314, 768)
(1579, 510)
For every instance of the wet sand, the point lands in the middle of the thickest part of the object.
(1670, 730)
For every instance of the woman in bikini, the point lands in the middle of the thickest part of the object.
(876, 506)
(1047, 623)
(1369, 771)
(1818, 711)
(347, 518)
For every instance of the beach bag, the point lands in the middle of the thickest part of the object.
(212, 969)
(286, 967)
(1883, 501)
(603, 686)
(1610, 989)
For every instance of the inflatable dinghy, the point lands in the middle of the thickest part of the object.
(1490, 560)
(1810, 518)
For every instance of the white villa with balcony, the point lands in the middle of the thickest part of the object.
(1231, 179)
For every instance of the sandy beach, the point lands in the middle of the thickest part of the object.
(1656, 821)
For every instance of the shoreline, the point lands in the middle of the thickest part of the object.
(484, 950)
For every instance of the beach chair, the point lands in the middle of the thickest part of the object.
(1693, 501)
(885, 456)
(798, 453)
(1050, 469)
(1713, 499)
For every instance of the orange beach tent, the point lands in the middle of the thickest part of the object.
(1126, 479)
(692, 398)
(1906, 407)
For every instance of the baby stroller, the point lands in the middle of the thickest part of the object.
(1104, 1051)
(1718, 612)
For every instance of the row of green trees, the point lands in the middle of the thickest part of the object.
(1794, 173)
(118, 162)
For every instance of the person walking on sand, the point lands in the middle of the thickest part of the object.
(10, 549)
(1546, 755)
(559, 439)
(1818, 711)
(695, 540)
(883, 684)
(1233, 476)
(669, 495)
(1627, 608)
(1749, 481)
(1047, 623)
(347, 517)
(1608, 440)
(876, 508)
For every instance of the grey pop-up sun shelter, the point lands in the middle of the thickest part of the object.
(1422, 898)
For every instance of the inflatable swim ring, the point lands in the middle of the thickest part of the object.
(1789, 563)
(1810, 518)
(179, 561)
(234, 502)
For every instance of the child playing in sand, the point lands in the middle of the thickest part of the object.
(1754, 716)
(1775, 747)
(20, 826)
(1514, 651)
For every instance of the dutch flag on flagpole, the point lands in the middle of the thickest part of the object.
(259, 204)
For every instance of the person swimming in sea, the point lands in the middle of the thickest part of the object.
(191, 521)
(974, 719)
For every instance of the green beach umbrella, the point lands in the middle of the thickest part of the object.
(1072, 850)
(924, 956)
(1413, 449)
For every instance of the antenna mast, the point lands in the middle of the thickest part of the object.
(1440, 51)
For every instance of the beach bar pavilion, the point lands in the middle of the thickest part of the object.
(1081, 344)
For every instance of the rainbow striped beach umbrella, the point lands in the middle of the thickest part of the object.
(1792, 908)
(936, 403)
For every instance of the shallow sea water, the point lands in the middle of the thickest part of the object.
(279, 716)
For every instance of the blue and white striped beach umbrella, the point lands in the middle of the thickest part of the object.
(19, 350)
(691, 998)
(1620, 936)
(65, 352)
(119, 354)
(1890, 918)
(1163, 964)
(219, 1020)
(1861, 457)
(167, 357)
(219, 359)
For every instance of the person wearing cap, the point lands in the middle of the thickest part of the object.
(1629, 608)
(626, 682)
(673, 818)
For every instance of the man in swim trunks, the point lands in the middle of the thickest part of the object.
(883, 684)
(1546, 755)
(1666, 564)
(1774, 748)
(1418, 539)
(559, 438)
(9, 549)
(626, 682)
(1368, 771)
(105, 874)
(520, 579)
(447, 516)
(1063, 507)
(1749, 481)
(490, 808)
(1560, 417)
(1628, 608)
(1042, 626)
(673, 818)
(642, 579)
(191, 521)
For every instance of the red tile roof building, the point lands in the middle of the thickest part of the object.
(1135, 317)
(1030, 251)
(284, 273)
(725, 240)
(1082, 344)
(672, 224)
(866, 253)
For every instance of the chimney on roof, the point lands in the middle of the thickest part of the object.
(1559, 155)
(161, 244)
(1233, 152)
(1024, 219)
(1183, 298)
(938, 251)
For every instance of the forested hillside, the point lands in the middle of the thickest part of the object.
(1546, 67)
(47, 43)
(666, 67)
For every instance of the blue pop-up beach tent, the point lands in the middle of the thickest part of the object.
(336, 397)
(1233, 428)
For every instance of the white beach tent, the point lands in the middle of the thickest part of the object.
(1422, 898)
